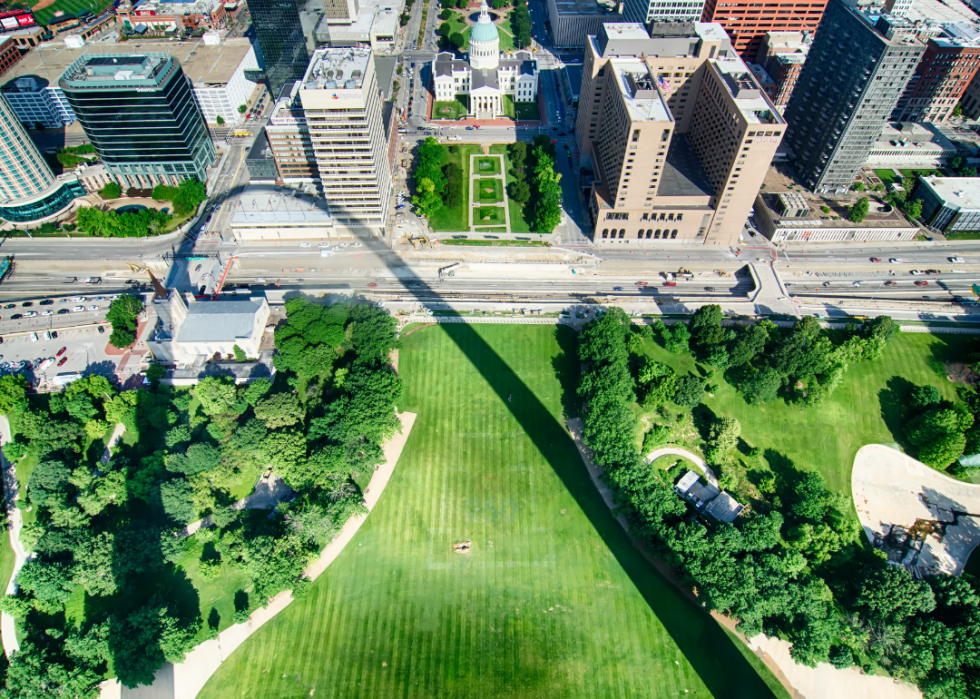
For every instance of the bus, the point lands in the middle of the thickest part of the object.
(6, 265)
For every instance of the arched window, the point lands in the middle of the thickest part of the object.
(622, 232)
(605, 233)
(656, 234)
(673, 233)
(649, 233)
(640, 233)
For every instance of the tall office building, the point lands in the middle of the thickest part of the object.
(340, 11)
(29, 191)
(856, 70)
(675, 10)
(138, 112)
(747, 23)
(942, 76)
(352, 133)
(679, 134)
(282, 42)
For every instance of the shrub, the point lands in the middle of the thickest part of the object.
(112, 190)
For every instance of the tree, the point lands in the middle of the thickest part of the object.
(658, 381)
(279, 410)
(858, 186)
(13, 394)
(446, 14)
(49, 582)
(519, 191)
(111, 190)
(216, 394)
(748, 344)
(882, 327)
(890, 594)
(253, 392)
(240, 355)
(123, 315)
(763, 386)
(859, 210)
(913, 209)
(189, 196)
(722, 438)
(427, 199)
(689, 391)
(242, 108)
(199, 458)
(175, 496)
(457, 40)
(221, 120)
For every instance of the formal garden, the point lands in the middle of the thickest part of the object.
(115, 587)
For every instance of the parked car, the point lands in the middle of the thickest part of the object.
(63, 360)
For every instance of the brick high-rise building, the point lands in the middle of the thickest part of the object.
(679, 133)
(748, 22)
(945, 71)
(856, 70)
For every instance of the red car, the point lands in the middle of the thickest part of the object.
(63, 360)
(876, 259)
(641, 284)
(61, 351)
(922, 282)
(670, 283)
(891, 283)
(372, 284)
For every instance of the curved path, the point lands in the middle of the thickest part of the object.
(8, 628)
(709, 475)
(891, 488)
(185, 680)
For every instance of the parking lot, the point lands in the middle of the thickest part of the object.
(52, 313)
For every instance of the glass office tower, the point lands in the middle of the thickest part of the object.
(138, 111)
(29, 191)
(281, 41)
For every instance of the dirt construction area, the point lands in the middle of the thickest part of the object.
(922, 519)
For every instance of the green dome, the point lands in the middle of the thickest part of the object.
(484, 32)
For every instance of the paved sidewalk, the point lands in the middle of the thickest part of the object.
(709, 475)
(10, 488)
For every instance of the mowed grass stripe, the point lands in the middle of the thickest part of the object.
(561, 606)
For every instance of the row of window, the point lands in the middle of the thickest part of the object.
(663, 234)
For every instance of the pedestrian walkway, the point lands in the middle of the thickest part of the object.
(8, 628)
(478, 182)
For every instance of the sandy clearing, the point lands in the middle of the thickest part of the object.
(891, 488)
(189, 677)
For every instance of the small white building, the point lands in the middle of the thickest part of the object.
(486, 77)
(190, 331)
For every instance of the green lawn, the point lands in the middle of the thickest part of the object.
(553, 600)
(450, 110)
(490, 190)
(510, 243)
(888, 176)
(866, 409)
(456, 218)
(518, 224)
(489, 216)
(71, 6)
(487, 166)
(963, 235)
(522, 111)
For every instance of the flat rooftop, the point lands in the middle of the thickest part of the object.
(261, 205)
(683, 174)
(837, 217)
(584, 7)
(961, 192)
(751, 100)
(218, 321)
(179, 7)
(337, 69)
(639, 89)
(119, 69)
(203, 64)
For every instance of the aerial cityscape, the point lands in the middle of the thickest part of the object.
(489, 349)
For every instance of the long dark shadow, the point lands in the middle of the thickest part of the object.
(721, 666)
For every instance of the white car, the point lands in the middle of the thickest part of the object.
(917, 272)
(30, 314)
(78, 299)
(356, 245)
(47, 313)
(341, 245)
(323, 245)
(78, 308)
(896, 260)
(93, 308)
(33, 337)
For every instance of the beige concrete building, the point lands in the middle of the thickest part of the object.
(678, 132)
(190, 331)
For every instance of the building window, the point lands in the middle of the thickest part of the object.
(622, 232)
(673, 233)
(605, 233)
